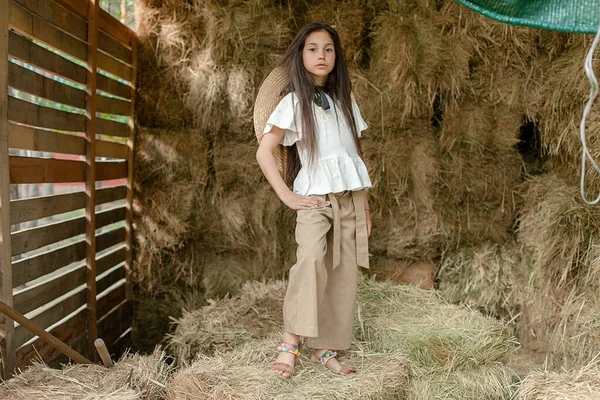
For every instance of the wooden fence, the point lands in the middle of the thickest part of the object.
(67, 85)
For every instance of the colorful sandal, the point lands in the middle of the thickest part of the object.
(328, 355)
(283, 367)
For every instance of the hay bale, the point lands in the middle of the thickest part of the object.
(133, 377)
(488, 277)
(226, 323)
(580, 384)
(560, 235)
(480, 173)
(246, 373)
(406, 317)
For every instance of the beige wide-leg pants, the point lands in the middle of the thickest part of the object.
(320, 298)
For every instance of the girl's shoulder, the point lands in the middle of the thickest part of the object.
(289, 102)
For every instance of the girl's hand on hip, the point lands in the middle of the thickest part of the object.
(298, 202)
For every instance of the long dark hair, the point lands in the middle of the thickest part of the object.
(337, 85)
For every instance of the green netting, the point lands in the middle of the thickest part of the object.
(577, 16)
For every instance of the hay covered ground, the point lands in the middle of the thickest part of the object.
(471, 150)
(402, 349)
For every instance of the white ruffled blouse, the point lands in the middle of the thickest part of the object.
(337, 165)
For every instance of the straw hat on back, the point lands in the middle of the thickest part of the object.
(269, 95)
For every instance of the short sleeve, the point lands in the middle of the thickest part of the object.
(283, 117)
(361, 125)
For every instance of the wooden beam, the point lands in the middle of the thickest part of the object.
(51, 315)
(90, 172)
(115, 28)
(50, 170)
(28, 138)
(112, 128)
(110, 260)
(111, 86)
(111, 297)
(130, 164)
(109, 45)
(112, 325)
(31, 25)
(27, 51)
(9, 361)
(113, 66)
(27, 113)
(30, 82)
(28, 269)
(111, 149)
(113, 106)
(32, 297)
(58, 16)
(45, 206)
(30, 239)
(111, 278)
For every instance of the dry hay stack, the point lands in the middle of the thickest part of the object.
(487, 277)
(227, 323)
(246, 373)
(561, 236)
(415, 57)
(581, 384)
(133, 377)
(480, 173)
(404, 171)
(461, 350)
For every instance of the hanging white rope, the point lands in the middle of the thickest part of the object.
(585, 154)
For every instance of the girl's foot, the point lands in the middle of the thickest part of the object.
(288, 352)
(328, 359)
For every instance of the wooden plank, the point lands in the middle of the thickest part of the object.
(7, 327)
(31, 25)
(112, 128)
(110, 238)
(77, 7)
(45, 206)
(27, 138)
(27, 240)
(23, 112)
(51, 315)
(58, 16)
(25, 50)
(33, 238)
(38, 85)
(30, 298)
(111, 149)
(90, 173)
(70, 331)
(113, 47)
(49, 170)
(114, 87)
(130, 165)
(110, 279)
(111, 297)
(108, 64)
(113, 106)
(28, 269)
(110, 259)
(115, 28)
(115, 323)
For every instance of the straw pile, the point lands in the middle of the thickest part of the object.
(581, 384)
(133, 377)
(246, 373)
(459, 356)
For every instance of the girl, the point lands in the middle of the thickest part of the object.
(321, 124)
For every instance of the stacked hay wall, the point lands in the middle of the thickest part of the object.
(471, 149)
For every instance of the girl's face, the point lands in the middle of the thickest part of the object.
(318, 56)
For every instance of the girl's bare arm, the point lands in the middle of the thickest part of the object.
(268, 165)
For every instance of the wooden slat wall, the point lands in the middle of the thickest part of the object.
(58, 261)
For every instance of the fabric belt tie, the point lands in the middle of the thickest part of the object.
(362, 239)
